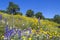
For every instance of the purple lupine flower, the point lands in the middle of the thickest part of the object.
(12, 32)
(19, 33)
(9, 33)
(6, 36)
(0, 17)
(6, 28)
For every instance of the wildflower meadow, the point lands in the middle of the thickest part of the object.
(25, 28)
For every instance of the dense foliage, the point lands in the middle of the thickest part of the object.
(13, 8)
(30, 13)
(57, 18)
(39, 14)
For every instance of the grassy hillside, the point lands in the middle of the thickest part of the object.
(23, 22)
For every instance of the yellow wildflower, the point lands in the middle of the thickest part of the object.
(33, 31)
(44, 32)
(23, 37)
(2, 36)
(12, 39)
(50, 36)
(30, 38)
(58, 35)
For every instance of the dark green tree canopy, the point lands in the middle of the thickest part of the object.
(13, 8)
(39, 14)
(30, 13)
(20, 13)
(57, 18)
(3, 11)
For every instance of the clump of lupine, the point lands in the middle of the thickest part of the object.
(0, 16)
(10, 33)
(0, 19)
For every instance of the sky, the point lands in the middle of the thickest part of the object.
(49, 8)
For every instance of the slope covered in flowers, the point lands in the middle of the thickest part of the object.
(22, 22)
